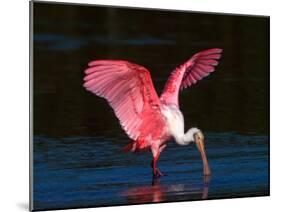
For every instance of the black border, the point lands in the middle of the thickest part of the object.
(31, 105)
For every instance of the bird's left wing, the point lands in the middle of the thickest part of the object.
(129, 90)
(196, 68)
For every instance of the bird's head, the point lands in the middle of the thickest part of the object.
(199, 141)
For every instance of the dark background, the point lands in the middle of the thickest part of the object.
(67, 37)
(77, 140)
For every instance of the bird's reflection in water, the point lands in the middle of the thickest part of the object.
(161, 193)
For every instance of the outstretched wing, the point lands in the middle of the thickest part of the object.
(196, 68)
(129, 90)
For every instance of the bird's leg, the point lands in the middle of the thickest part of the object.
(156, 153)
(162, 147)
(156, 171)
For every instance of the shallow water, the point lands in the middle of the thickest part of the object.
(78, 157)
(93, 171)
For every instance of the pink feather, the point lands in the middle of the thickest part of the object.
(189, 73)
(129, 90)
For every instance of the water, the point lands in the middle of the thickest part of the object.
(78, 157)
(93, 171)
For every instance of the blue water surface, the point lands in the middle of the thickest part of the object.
(93, 171)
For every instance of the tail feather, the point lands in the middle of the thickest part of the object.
(135, 146)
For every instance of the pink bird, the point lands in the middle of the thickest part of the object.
(148, 120)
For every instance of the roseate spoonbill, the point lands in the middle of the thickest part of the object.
(148, 120)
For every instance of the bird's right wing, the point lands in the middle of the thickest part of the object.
(129, 90)
(196, 68)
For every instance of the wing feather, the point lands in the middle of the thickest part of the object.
(129, 90)
(196, 68)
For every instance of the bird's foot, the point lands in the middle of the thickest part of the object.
(157, 173)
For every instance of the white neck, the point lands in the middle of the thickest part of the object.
(186, 138)
(175, 123)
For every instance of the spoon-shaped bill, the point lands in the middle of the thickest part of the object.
(199, 141)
